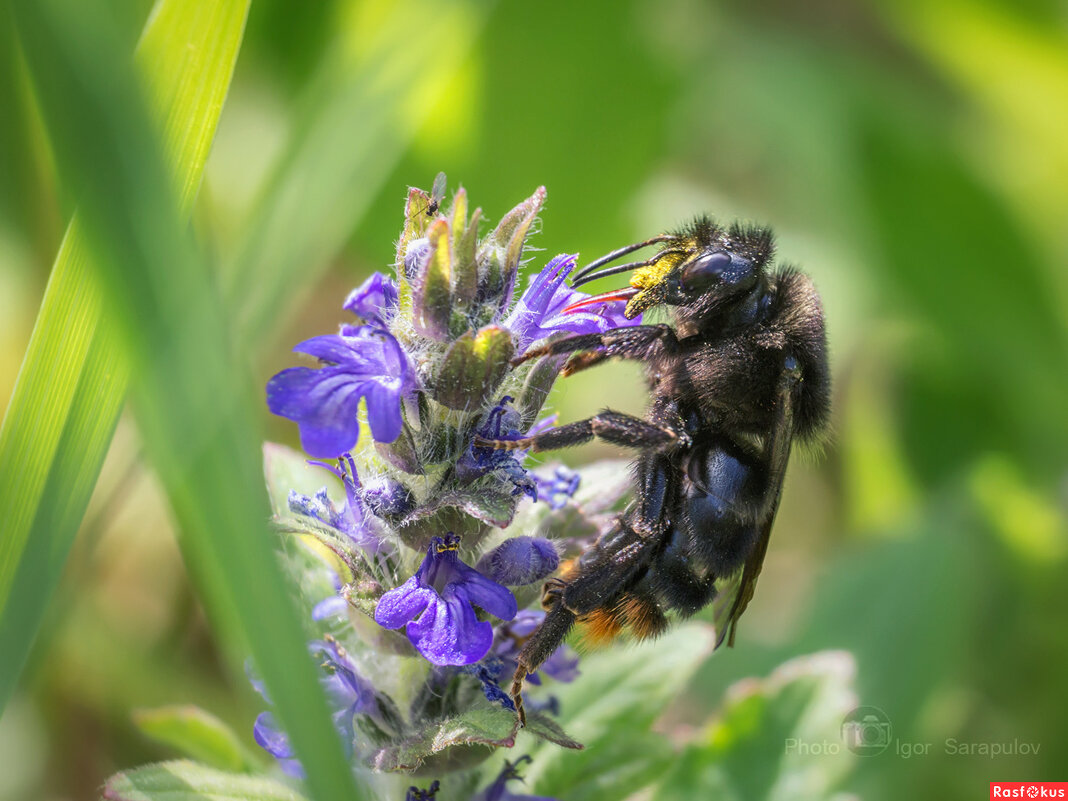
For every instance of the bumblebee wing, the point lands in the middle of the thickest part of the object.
(736, 592)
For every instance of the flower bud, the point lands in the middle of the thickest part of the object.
(501, 252)
(473, 368)
(433, 293)
(519, 561)
(388, 498)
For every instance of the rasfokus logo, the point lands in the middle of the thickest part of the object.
(1028, 790)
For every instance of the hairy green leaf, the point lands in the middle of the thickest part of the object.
(197, 734)
(189, 781)
(778, 738)
(633, 686)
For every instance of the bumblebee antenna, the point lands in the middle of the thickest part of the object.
(615, 254)
(619, 268)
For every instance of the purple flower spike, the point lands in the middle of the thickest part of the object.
(539, 312)
(437, 607)
(374, 300)
(365, 362)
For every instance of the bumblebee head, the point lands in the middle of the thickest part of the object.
(703, 267)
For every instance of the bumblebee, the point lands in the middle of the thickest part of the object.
(738, 373)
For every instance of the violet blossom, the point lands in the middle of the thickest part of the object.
(436, 606)
(347, 691)
(501, 422)
(539, 312)
(555, 491)
(362, 362)
(561, 666)
(351, 519)
(519, 561)
(374, 300)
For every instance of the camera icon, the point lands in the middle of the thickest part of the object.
(867, 731)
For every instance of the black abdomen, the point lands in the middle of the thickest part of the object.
(713, 526)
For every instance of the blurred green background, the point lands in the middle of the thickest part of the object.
(911, 156)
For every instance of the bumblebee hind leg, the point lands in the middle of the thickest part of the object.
(546, 639)
(596, 586)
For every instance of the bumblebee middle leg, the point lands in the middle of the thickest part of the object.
(615, 427)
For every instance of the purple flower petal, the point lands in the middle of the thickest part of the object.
(322, 402)
(374, 299)
(257, 683)
(344, 684)
(370, 363)
(561, 665)
(498, 791)
(539, 312)
(330, 607)
(520, 560)
(383, 410)
(448, 633)
(437, 602)
(405, 603)
(292, 767)
(485, 593)
(271, 738)
(338, 349)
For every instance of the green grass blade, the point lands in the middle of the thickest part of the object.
(191, 394)
(73, 379)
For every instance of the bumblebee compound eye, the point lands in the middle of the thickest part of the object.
(718, 266)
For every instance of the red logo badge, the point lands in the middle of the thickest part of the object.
(1028, 790)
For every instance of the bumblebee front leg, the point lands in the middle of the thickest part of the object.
(615, 427)
(633, 342)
